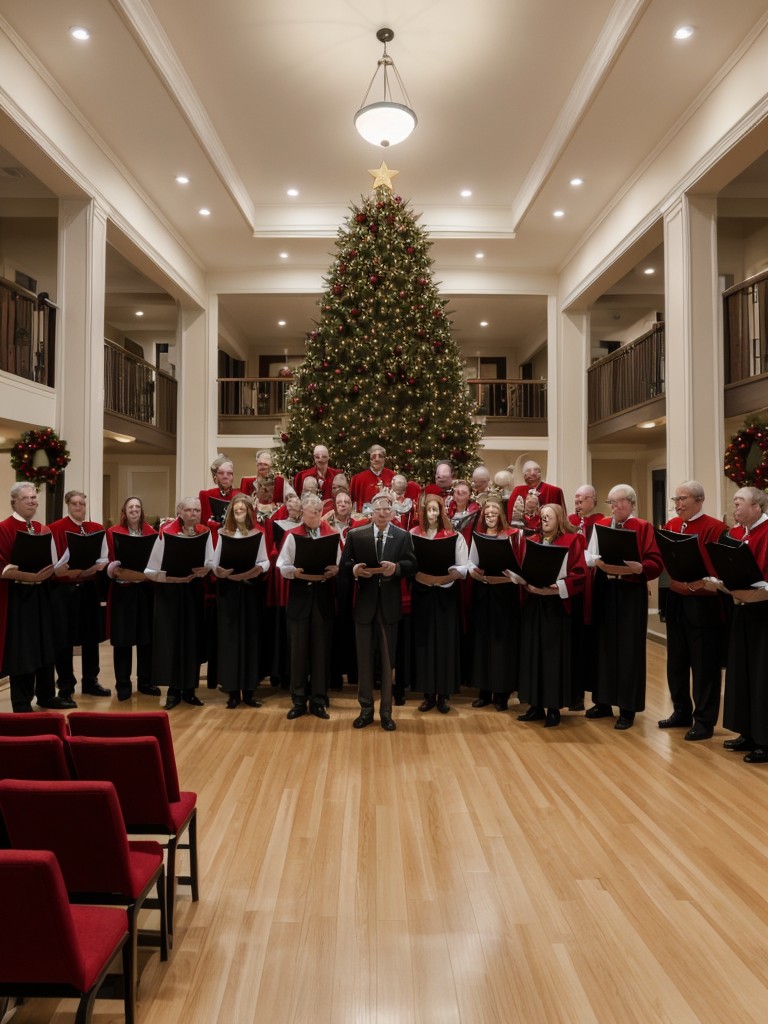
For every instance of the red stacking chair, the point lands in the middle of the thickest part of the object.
(36, 723)
(33, 757)
(49, 948)
(135, 767)
(81, 823)
(132, 723)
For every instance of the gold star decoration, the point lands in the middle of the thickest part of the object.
(382, 176)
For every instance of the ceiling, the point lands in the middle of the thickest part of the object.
(514, 98)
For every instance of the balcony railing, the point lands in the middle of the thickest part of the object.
(510, 399)
(253, 396)
(138, 390)
(628, 377)
(745, 328)
(27, 334)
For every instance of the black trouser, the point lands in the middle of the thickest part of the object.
(26, 685)
(122, 658)
(371, 637)
(309, 641)
(693, 666)
(65, 676)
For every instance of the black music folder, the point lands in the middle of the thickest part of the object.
(681, 556)
(183, 554)
(543, 564)
(84, 548)
(617, 546)
(31, 551)
(434, 557)
(314, 556)
(133, 552)
(736, 567)
(495, 555)
(239, 553)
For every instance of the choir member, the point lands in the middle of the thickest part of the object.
(481, 481)
(264, 503)
(462, 509)
(695, 623)
(26, 633)
(545, 642)
(238, 607)
(276, 648)
(548, 494)
(582, 646)
(503, 482)
(130, 608)
(435, 613)
(249, 484)
(178, 636)
(745, 703)
(340, 516)
(584, 517)
(223, 473)
(309, 614)
(343, 659)
(403, 503)
(366, 485)
(620, 614)
(443, 480)
(322, 471)
(77, 604)
(495, 615)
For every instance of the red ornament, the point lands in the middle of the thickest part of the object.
(374, 279)
(437, 345)
(355, 389)
(437, 312)
(391, 219)
(361, 218)
(341, 435)
(421, 333)
(411, 381)
(374, 229)
(337, 371)
(380, 206)
(338, 289)
(284, 437)
(422, 282)
(354, 312)
(343, 268)
(398, 350)
(410, 250)
(351, 254)
(402, 294)
(325, 364)
(398, 200)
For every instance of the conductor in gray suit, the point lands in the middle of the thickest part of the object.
(379, 556)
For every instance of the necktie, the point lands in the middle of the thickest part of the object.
(30, 527)
(581, 525)
(379, 544)
(683, 527)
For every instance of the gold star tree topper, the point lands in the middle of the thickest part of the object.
(382, 176)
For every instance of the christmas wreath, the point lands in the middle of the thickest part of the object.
(40, 456)
(746, 457)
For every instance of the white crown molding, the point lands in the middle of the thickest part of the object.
(617, 29)
(151, 37)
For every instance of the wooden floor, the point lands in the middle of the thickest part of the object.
(468, 867)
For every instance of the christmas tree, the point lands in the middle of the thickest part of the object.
(381, 364)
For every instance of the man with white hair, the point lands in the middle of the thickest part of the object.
(481, 480)
(249, 484)
(321, 470)
(548, 494)
(745, 703)
(695, 623)
(584, 517)
(363, 487)
(620, 613)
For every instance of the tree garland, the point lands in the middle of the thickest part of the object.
(737, 455)
(33, 441)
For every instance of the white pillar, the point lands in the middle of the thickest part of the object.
(80, 345)
(694, 353)
(569, 464)
(197, 421)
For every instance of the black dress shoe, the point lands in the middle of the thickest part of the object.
(318, 710)
(577, 706)
(123, 694)
(363, 719)
(399, 702)
(552, 718)
(297, 711)
(22, 709)
(533, 714)
(386, 723)
(624, 722)
(150, 691)
(739, 743)
(428, 703)
(442, 705)
(57, 704)
(676, 721)
(96, 690)
(757, 756)
(599, 711)
(698, 732)
(250, 701)
(234, 701)
(481, 702)
(190, 697)
(173, 699)
(502, 705)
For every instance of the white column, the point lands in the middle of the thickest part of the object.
(197, 422)
(694, 355)
(569, 464)
(80, 345)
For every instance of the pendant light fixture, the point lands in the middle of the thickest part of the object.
(385, 123)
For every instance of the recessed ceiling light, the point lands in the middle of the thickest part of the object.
(283, 255)
(78, 32)
(182, 179)
(558, 213)
(465, 193)
(139, 312)
(479, 255)
(204, 212)
(576, 181)
(281, 323)
(292, 192)
(684, 32)
(483, 323)
(649, 271)
(648, 425)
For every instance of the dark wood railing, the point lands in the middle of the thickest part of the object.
(27, 334)
(138, 390)
(253, 396)
(628, 377)
(510, 399)
(745, 329)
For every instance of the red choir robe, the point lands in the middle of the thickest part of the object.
(363, 487)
